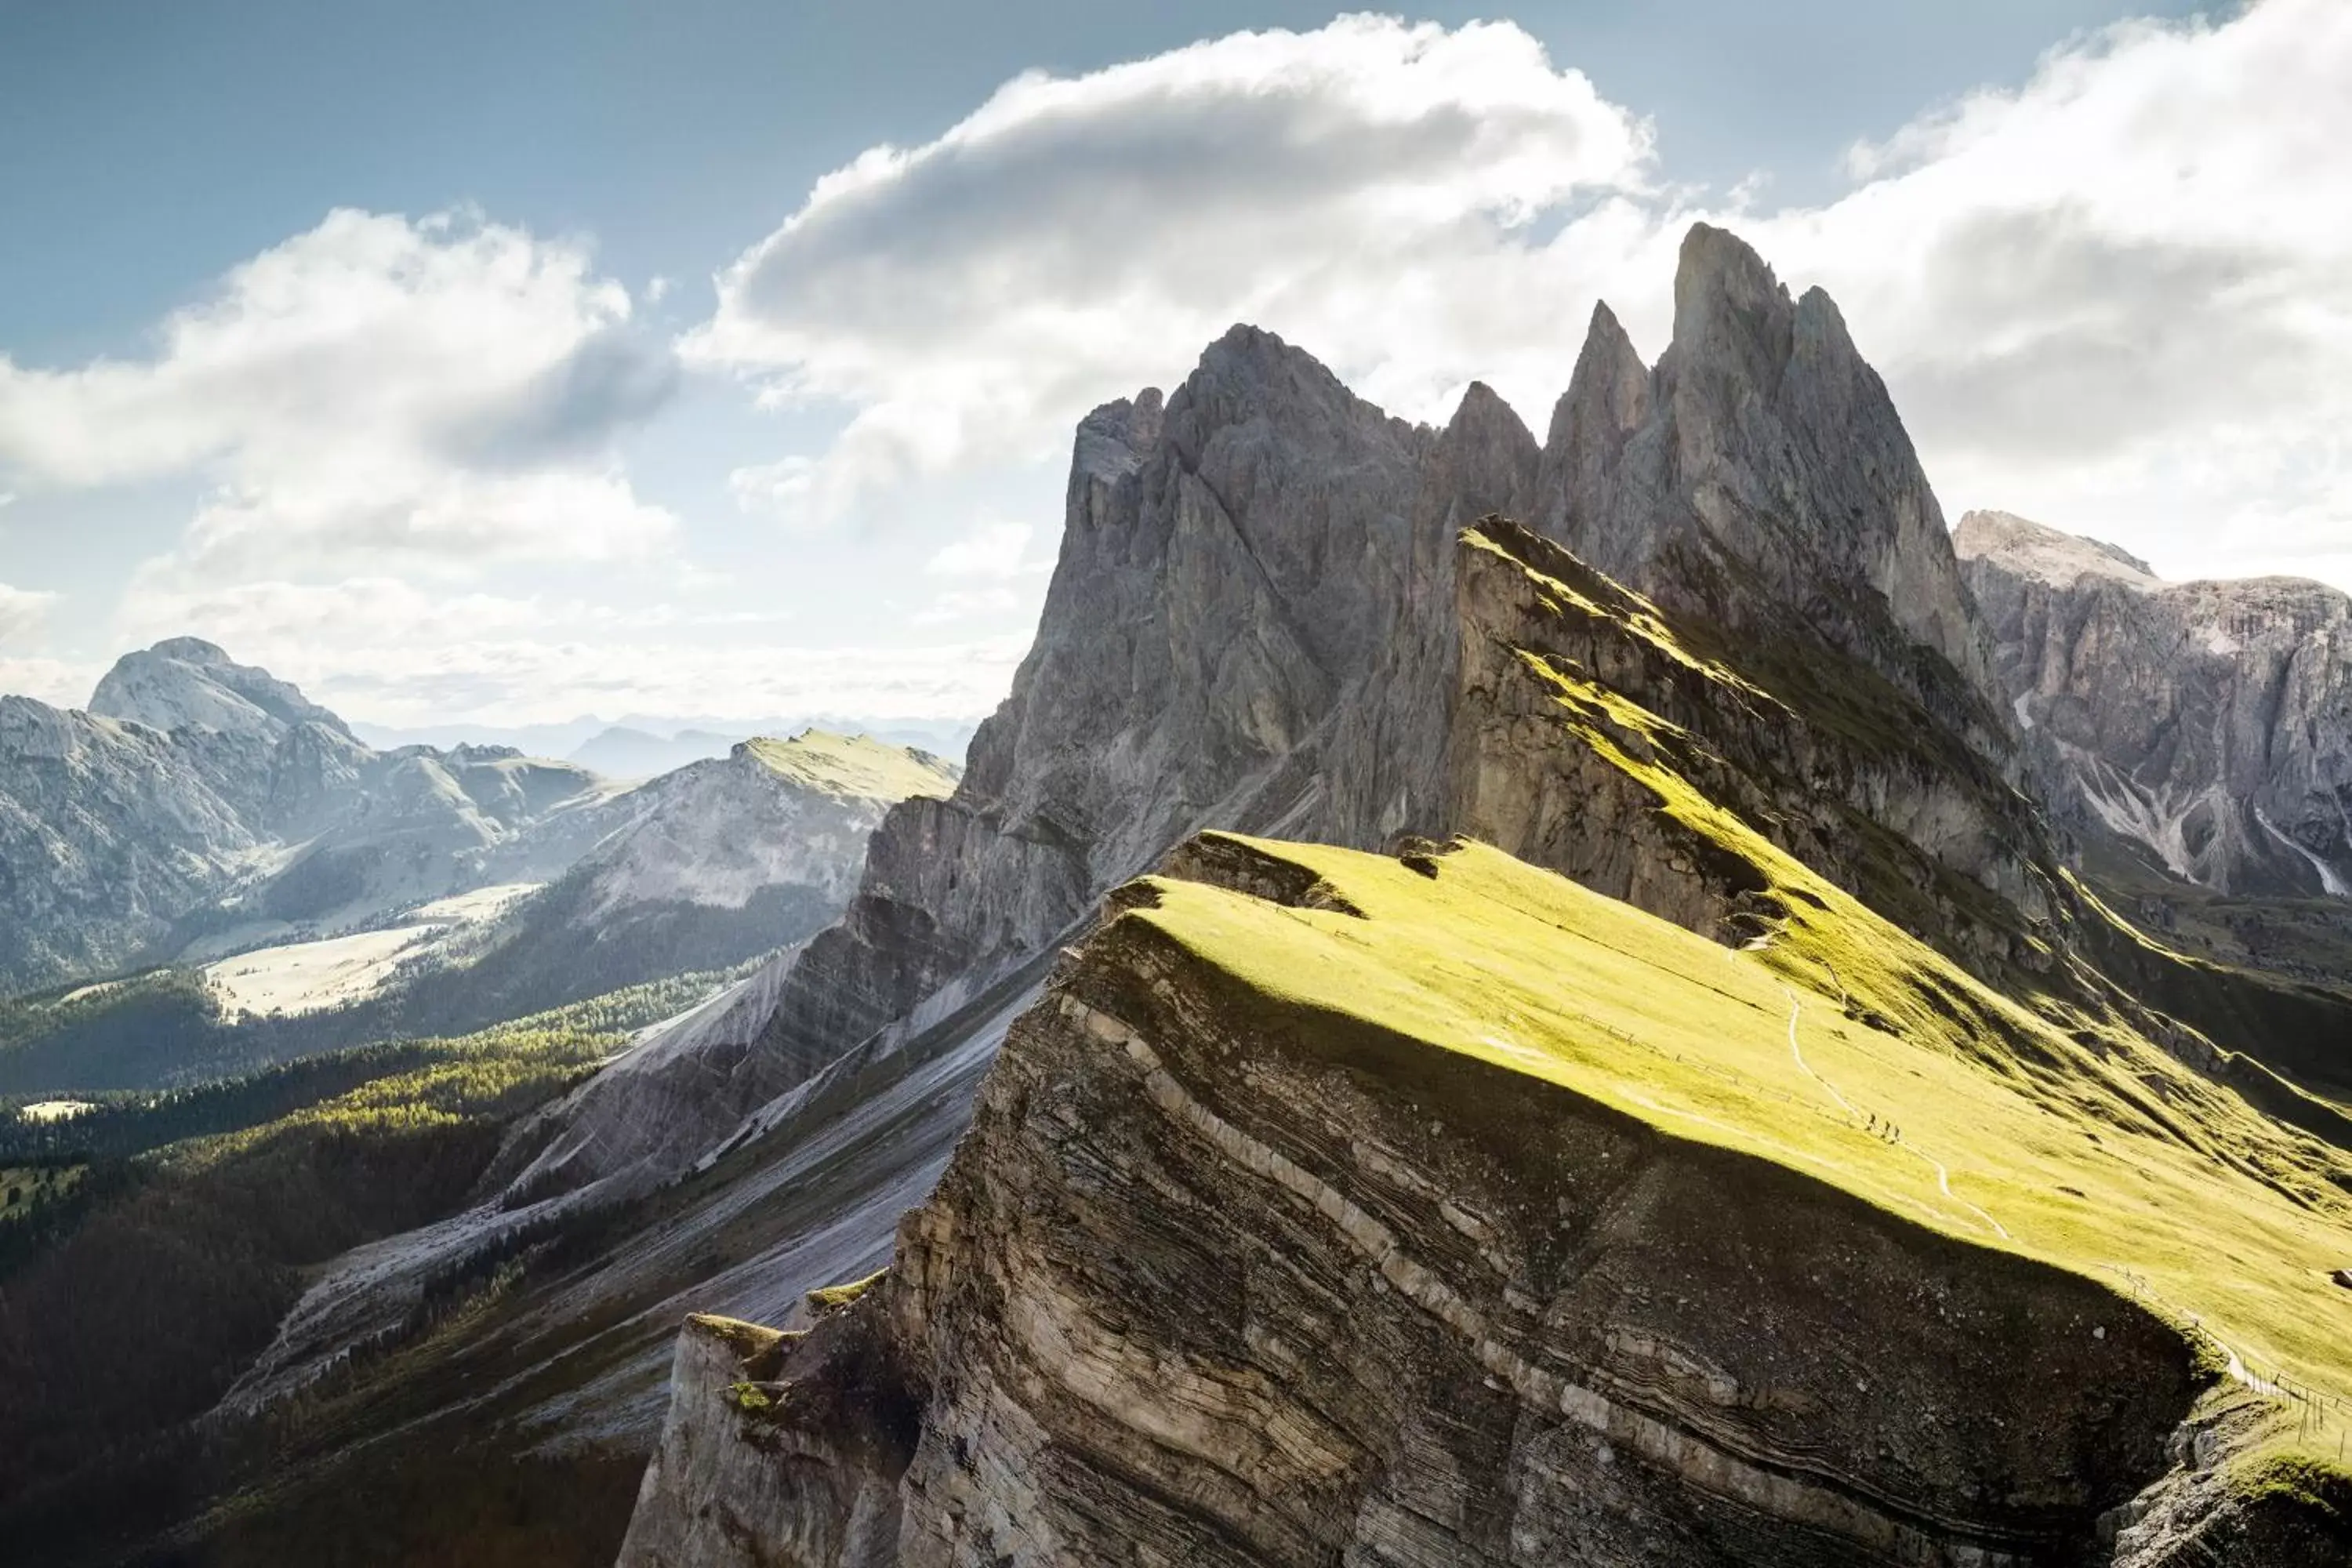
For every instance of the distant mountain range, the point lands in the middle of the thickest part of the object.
(199, 806)
(638, 745)
(2207, 725)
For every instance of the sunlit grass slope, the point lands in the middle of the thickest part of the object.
(853, 765)
(1841, 1047)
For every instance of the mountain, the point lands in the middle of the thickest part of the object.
(186, 682)
(1252, 625)
(199, 805)
(1479, 1001)
(2209, 725)
(720, 861)
(622, 753)
(109, 832)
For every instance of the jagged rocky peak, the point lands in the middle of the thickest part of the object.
(187, 681)
(1487, 436)
(1608, 398)
(1761, 453)
(2209, 724)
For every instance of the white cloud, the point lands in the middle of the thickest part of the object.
(780, 489)
(439, 393)
(966, 604)
(2118, 295)
(61, 683)
(1075, 237)
(22, 611)
(992, 549)
(387, 651)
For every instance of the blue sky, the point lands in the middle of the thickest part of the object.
(471, 362)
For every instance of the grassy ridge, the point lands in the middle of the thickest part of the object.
(854, 766)
(2099, 1153)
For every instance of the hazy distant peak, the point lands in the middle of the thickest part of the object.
(183, 682)
(852, 765)
(2030, 549)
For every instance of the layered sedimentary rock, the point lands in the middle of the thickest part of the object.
(2209, 724)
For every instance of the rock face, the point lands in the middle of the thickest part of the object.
(1254, 623)
(1762, 453)
(2209, 724)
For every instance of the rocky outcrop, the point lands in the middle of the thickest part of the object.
(2207, 724)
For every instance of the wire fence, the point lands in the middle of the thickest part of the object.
(2319, 1413)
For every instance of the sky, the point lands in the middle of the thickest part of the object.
(503, 365)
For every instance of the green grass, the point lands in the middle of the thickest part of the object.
(853, 765)
(833, 1298)
(2099, 1154)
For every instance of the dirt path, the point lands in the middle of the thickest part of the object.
(1943, 1176)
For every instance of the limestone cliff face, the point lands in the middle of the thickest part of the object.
(2207, 724)
(1254, 624)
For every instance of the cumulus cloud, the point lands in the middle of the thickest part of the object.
(22, 611)
(2117, 294)
(992, 548)
(442, 392)
(1076, 236)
